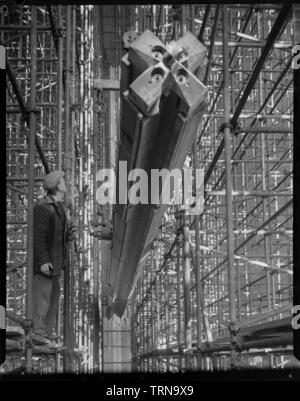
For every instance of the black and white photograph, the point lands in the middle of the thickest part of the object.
(149, 215)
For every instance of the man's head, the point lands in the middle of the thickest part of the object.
(54, 184)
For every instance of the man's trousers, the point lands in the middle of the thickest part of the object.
(45, 303)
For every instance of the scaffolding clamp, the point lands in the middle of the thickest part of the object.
(59, 33)
(226, 125)
(232, 125)
(235, 127)
(234, 329)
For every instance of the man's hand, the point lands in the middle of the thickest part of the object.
(47, 269)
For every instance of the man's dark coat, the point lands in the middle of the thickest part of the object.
(50, 235)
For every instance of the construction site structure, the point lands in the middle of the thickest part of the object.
(154, 289)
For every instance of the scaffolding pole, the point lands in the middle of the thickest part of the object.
(178, 298)
(187, 292)
(59, 89)
(68, 169)
(199, 295)
(229, 209)
(30, 166)
(96, 309)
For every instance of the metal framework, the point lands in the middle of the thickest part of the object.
(227, 273)
(216, 289)
(50, 125)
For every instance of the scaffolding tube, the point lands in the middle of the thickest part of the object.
(32, 129)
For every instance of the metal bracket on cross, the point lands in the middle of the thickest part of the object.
(154, 69)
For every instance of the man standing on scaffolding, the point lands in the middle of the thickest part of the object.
(52, 232)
